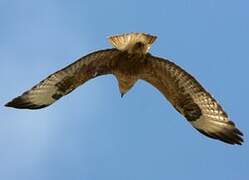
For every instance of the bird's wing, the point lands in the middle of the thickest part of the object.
(65, 80)
(191, 100)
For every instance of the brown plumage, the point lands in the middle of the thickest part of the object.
(128, 62)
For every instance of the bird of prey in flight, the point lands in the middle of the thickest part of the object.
(130, 61)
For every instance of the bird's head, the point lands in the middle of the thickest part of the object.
(125, 84)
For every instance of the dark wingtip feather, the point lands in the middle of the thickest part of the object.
(16, 103)
(230, 136)
(22, 103)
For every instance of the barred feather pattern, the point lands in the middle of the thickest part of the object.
(190, 99)
(129, 61)
(65, 80)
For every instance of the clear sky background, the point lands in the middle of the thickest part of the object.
(93, 134)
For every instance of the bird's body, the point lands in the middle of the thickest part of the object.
(130, 61)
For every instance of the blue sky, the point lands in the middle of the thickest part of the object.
(94, 134)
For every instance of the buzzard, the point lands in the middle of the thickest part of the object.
(130, 61)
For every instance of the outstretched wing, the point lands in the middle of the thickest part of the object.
(65, 80)
(191, 100)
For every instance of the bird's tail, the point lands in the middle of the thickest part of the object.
(124, 41)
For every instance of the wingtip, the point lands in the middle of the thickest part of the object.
(233, 137)
(7, 104)
(10, 104)
(22, 103)
(239, 136)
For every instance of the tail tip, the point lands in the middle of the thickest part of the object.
(123, 41)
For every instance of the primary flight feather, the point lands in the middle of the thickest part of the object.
(130, 61)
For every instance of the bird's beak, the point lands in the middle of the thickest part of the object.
(122, 94)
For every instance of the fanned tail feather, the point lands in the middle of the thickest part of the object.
(124, 41)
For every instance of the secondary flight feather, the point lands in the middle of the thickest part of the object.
(130, 61)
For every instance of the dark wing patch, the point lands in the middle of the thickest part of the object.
(66, 80)
(191, 100)
(65, 86)
(190, 109)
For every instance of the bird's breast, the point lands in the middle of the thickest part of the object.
(130, 64)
